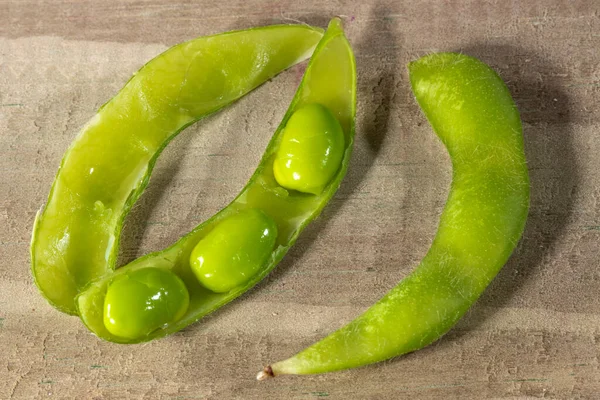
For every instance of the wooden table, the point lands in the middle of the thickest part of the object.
(534, 333)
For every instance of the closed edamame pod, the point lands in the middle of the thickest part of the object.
(105, 170)
(473, 114)
(236, 248)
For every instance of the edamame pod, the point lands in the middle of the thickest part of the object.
(473, 114)
(76, 236)
(329, 80)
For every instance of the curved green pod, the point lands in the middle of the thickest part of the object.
(329, 80)
(105, 170)
(473, 114)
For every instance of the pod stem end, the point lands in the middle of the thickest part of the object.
(266, 373)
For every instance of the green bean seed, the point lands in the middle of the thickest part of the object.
(234, 251)
(143, 300)
(311, 150)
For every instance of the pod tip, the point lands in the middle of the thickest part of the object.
(335, 23)
(266, 373)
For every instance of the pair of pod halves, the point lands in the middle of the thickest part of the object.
(105, 170)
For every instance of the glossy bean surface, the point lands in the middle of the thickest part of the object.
(144, 300)
(234, 251)
(311, 150)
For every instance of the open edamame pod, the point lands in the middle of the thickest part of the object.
(473, 114)
(105, 170)
(236, 248)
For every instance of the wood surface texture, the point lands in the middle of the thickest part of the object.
(535, 333)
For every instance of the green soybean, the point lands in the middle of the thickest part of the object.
(329, 80)
(142, 301)
(473, 114)
(311, 150)
(234, 251)
(106, 168)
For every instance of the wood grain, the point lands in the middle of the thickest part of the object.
(535, 333)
